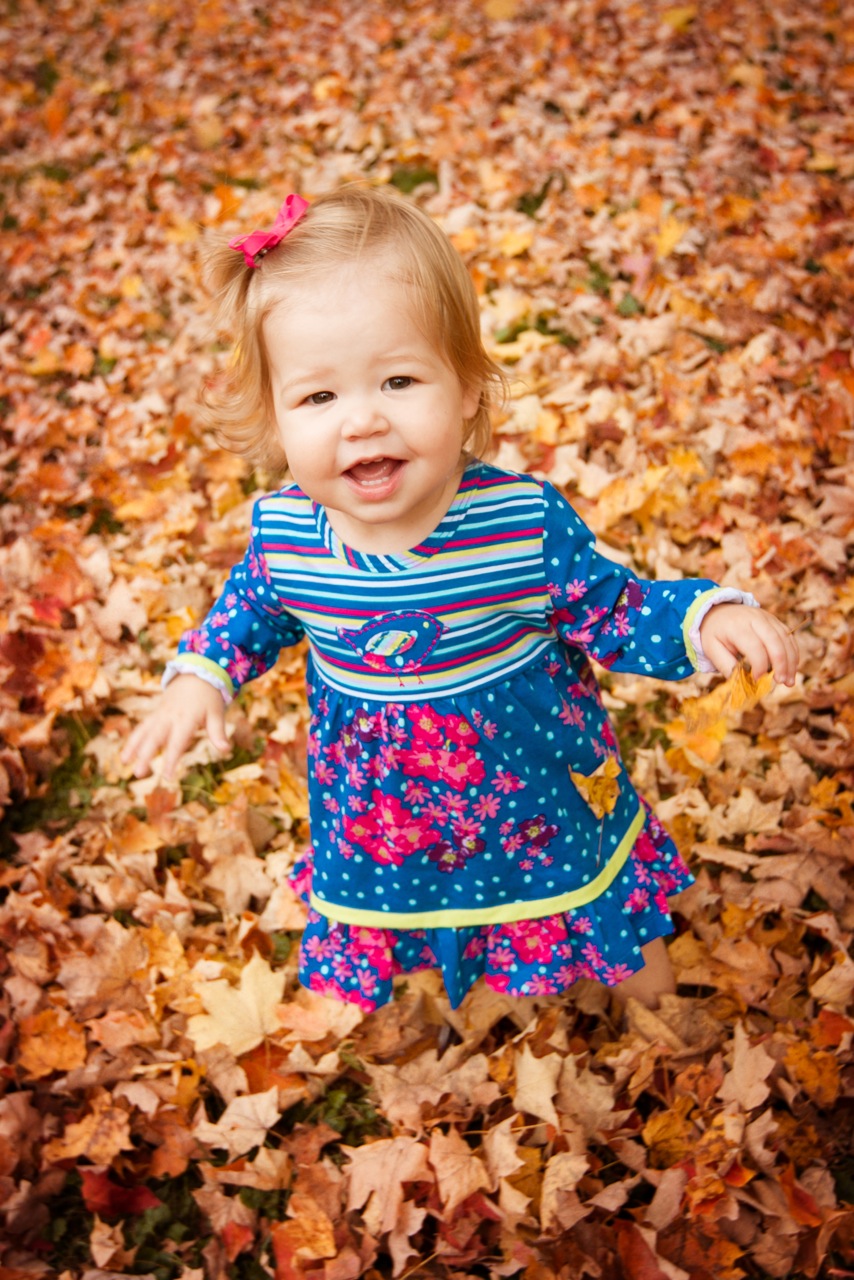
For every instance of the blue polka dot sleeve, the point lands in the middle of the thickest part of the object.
(622, 621)
(246, 629)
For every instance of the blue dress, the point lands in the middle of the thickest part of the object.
(469, 808)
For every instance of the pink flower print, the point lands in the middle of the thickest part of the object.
(576, 589)
(592, 955)
(497, 982)
(539, 985)
(388, 831)
(462, 768)
(487, 806)
(527, 864)
(322, 707)
(455, 805)
(196, 642)
(552, 668)
(581, 924)
(427, 724)
(318, 948)
(346, 850)
(458, 730)
(357, 804)
(507, 827)
(501, 956)
(313, 745)
(616, 973)
(463, 827)
(355, 775)
(566, 975)
(571, 714)
(324, 773)
(436, 812)
(421, 762)
(416, 792)
(240, 666)
(537, 831)
(533, 940)
(622, 626)
(376, 768)
(389, 755)
(505, 781)
(477, 718)
(372, 946)
(644, 849)
(231, 600)
(218, 620)
(642, 873)
(546, 860)
(475, 948)
(258, 567)
(660, 900)
(511, 843)
(368, 983)
(342, 968)
(335, 752)
(331, 804)
(329, 987)
(608, 735)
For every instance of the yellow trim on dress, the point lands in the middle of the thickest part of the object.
(504, 913)
(688, 622)
(189, 660)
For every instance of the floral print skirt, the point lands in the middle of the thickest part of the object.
(544, 956)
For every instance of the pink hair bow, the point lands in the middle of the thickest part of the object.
(254, 245)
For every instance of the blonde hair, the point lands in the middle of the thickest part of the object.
(337, 229)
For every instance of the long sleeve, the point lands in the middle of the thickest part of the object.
(243, 633)
(624, 622)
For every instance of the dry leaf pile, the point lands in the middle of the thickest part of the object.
(655, 202)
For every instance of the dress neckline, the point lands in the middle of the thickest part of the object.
(370, 562)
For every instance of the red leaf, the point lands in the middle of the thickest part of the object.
(106, 1198)
(236, 1237)
(638, 1260)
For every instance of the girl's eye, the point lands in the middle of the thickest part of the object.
(398, 384)
(320, 397)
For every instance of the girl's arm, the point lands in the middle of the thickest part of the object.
(655, 628)
(240, 638)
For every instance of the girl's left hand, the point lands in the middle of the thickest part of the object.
(733, 631)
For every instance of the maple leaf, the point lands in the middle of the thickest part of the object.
(600, 789)
(381, 1169)
(50, 1041)
(459, 1173)
(243, 1124)
(745, 1082)
(241, 1016)
(99, 1136)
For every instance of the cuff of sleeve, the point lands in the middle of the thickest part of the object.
(697, 612)
(192, 664)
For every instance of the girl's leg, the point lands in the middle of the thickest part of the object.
(654, 980)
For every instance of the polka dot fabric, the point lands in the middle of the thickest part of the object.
(529, 957)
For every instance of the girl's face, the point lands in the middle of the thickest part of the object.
(369, 413)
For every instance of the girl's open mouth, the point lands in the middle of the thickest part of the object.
(375, 478)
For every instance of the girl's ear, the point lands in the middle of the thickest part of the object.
(471, 401)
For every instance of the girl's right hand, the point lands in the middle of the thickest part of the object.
(188, 704)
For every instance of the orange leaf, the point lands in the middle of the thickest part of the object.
(99, 1137)
(236, 1236)
(51, 1041)
(802, 1206)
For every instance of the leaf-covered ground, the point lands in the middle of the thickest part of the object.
(655, 202)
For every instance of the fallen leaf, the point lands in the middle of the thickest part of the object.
(241, 1016)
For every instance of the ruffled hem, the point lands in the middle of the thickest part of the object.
(544, 956)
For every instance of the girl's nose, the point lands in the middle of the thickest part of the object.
(364, 418)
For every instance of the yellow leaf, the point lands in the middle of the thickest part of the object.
(815, 1070)
(514, 243)
(822, 162)
(747, 73)
(239, 1017)
(627, 494)
(671, 232)
(501, 10)
(680, 16)
(740, 692)
(100, 1136)
(600, 789)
